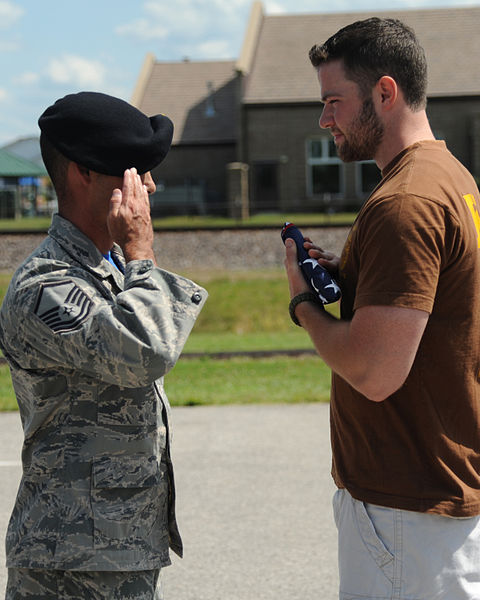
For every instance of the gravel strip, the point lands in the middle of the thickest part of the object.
(191, 251)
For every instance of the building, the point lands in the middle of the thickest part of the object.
(203, 101)
(27, 148)
(262, 111)
(20, 180)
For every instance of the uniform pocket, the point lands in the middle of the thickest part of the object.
(129, 494)
(127, 406)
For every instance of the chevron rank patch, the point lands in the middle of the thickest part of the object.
(62, 306)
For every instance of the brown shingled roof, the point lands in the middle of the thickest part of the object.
(281, 71)
(199, 97)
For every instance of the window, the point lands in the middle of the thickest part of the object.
(210, 104)
(325, 171)
(368, 176)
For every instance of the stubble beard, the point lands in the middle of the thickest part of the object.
(363, 139)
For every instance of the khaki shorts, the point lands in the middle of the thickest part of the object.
(40, 584)
(391, 554)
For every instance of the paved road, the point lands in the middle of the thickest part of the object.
(254, 502)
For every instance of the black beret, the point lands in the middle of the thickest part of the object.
(106, 134)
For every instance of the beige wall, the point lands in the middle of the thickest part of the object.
(202, 163)
(453, 119)
(279, 133)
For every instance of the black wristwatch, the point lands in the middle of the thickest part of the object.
(296, 300)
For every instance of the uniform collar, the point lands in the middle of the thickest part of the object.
(83, 250)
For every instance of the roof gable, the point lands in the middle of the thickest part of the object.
(199, 97)
(281, 70)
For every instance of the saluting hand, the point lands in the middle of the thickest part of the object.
(129, 219)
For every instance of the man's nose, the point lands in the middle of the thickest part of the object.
(149, 183)
(326, 118)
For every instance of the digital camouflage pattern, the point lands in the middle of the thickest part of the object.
(88, 346)
(32, 584)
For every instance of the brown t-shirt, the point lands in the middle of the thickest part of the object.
(416, 244)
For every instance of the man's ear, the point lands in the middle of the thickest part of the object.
(386, 93)
(81, 174)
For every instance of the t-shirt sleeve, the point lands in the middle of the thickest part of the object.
(401, 251)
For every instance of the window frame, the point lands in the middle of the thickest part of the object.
(325, 159)
(359, 191)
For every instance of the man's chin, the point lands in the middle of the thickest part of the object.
(348, 155)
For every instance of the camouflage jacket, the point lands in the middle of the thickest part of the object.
(88, 346)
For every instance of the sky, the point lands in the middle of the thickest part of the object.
(50, 48)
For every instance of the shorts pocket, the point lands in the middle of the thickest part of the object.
(337, 501)
(374, 545)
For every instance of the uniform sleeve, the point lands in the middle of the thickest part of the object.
(65, 321)
(403, 245)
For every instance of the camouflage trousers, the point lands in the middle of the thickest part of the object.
(42, 584)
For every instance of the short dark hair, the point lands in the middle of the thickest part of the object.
(56, 164)
(376, 47)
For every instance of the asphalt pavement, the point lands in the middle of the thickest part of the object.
(254, 502)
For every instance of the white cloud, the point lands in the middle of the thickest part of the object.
(197, 12)
(314, 6)
(76, 70)
(3, 94)
(9, 13)
(143, 29)
(215, 49)
(27, 78)
(196, 28)
(9, 46)
(274, 8)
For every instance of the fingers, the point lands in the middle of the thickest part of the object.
(115, 201)
(317, 253)
(296, 281)
(326, 259)
(121, 197)
(291, 251)
(309, 245)
(129, 183)
(134, 192)
(127, 188)
(129, 220)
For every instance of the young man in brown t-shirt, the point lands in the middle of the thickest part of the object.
(405, 355)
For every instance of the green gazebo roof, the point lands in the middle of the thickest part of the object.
(14, 166)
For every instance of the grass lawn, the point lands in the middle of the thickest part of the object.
(4, 281)
(250, 302)
(7, 397)
(197, 222)
(245, 312)
(247, 381)
(25, 224)
(258, 220)
(227, 341)
(233, 381)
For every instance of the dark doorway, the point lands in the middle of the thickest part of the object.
(265, 187)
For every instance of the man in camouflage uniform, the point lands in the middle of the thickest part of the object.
(89, 326)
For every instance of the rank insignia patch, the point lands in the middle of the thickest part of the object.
(62, 306)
